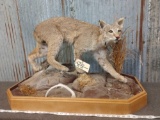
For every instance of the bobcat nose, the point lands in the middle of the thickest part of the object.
(117, 38)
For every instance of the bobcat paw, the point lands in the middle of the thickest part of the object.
(123, 79)
(37, 68)
(72, 73)
(80, 71)
(65, 69)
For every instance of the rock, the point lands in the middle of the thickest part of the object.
(130, 81)
(67, 78)
(78, 94)
(40, 93)
(95, 92)
(121, 90)
(115, 84)
(43, 80)
(100, 78)
(110, 79)
(135, 88)
(17, 92)
(117, 94)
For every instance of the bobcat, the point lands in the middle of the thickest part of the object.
(84, 37)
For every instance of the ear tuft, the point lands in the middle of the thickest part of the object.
(102, 23)
(120, 22)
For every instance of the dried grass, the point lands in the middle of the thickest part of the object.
(27, 90)
(119, 54)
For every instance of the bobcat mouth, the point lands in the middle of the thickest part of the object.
(105, 44)
(117, 39)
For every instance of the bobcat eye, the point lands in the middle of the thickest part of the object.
(110, 31)
(119, 30)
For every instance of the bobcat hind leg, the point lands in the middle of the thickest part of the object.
(38, 52)
(53, 49)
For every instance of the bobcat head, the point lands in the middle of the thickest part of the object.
(111, 32)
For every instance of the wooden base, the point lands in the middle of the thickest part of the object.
(79, 105)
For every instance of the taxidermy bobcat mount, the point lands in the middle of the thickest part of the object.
(84, 37)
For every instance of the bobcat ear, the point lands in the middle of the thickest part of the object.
(102, 23)
(120, 22)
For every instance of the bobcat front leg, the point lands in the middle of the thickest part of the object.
(77, 55)
(100, 57)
